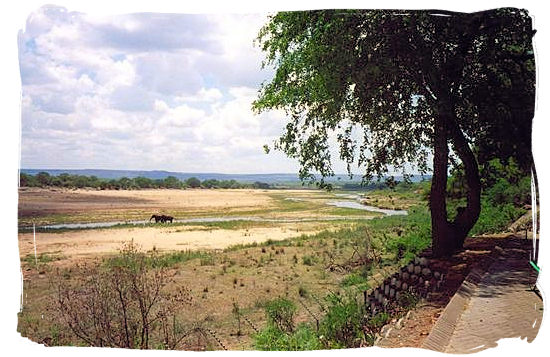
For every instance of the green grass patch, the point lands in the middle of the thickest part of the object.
(162, 260)
(42, 258)
(355, 280)
(309, 260)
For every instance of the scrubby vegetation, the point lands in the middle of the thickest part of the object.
(300, 293)
(505, 196)
(123, 303)
(44, 179)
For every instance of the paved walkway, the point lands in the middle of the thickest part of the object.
(491, 305)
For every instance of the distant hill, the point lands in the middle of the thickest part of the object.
(160, 174)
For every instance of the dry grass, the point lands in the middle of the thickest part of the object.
(269, 259)
(248, 276)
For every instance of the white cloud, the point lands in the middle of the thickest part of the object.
(203, 95)
(145, 91)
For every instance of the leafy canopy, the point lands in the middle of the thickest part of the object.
(372, 80)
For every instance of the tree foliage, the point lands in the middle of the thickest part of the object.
(44, 179)
(392, 87)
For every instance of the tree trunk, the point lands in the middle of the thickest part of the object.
(447, 237)
(442, 237)
(467, 217)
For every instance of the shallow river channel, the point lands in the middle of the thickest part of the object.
(348, 201)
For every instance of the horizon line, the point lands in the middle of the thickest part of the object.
(208, 173)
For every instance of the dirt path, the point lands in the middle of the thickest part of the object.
(501, 306)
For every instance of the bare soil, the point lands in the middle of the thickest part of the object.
(74, 245)
(38, 202)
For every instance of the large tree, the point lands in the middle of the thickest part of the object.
(394, 87)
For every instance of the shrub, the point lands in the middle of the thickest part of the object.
(122, 303)
(493, 219)
(273, 339)
(280, 313)
(375, 323)
(415, 235)
(355, 280)
(308, 260)
(408, 300)
(342, 324)
(504, 192)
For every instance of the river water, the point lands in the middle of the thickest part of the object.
(351, 201)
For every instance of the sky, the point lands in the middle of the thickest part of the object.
(145, 91)
(13, 20)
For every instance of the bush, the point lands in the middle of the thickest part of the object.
(273, 339)
(415, 235)
(309, 260)
(375, 323)
(495, 218)
(280, 333)
(122, 303)
(280, 313)
(408, 300)
(504, 192)
(342, 325)
(356, 280)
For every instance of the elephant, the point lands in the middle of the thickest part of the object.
(167, 218)
(162, 218)
(156, 217)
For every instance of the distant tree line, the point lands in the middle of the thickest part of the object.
(44, 179)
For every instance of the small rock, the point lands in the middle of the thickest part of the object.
(399, 324)
(417, 269)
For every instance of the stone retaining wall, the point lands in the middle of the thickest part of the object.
(419, 277)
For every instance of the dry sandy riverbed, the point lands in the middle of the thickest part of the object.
(88, 243)
(36, 202)
(40, 205)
